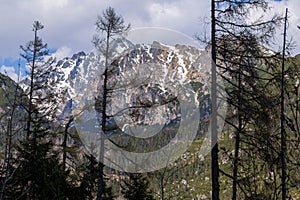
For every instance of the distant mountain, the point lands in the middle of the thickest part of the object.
(81, 74)
(7, 89)
(12, 108)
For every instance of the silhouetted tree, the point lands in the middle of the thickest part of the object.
(136, 186)
(238, 52)
(110, 24)
(38, 174)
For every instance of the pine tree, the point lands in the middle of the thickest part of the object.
(40, 90)
(38, 174)
(88, 186)
(136, 187)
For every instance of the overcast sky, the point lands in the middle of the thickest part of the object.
(69, 24)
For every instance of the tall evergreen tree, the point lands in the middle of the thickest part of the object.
(136, 186)
(40, 86)
(88, 187)
(38, 174)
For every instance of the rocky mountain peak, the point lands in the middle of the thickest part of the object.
(81, 75)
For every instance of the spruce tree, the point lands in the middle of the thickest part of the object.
(38, 174)
(88, 187)
(136, 186)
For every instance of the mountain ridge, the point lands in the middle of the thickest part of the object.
(84, 70)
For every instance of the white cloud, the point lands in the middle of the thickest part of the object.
(279, 7)
(293, 21)
(70, 23)
(166, 36)
(9, 71)
(165, 12)
(62, 52)
(183, 15)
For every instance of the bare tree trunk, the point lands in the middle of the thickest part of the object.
(214, 133)
(103, 122)
(64, 144)
(282, 118)
(30, 106)
(237, 141)
(162, 197)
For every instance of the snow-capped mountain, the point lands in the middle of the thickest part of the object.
(169, 67)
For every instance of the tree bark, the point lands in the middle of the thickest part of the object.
(214, 132)
(282, 118)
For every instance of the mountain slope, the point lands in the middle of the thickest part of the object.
(81, 75)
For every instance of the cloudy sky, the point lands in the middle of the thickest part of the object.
(69, 24)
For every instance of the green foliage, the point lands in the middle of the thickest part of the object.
(39, 174)
(136, 186)
(88, 182)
